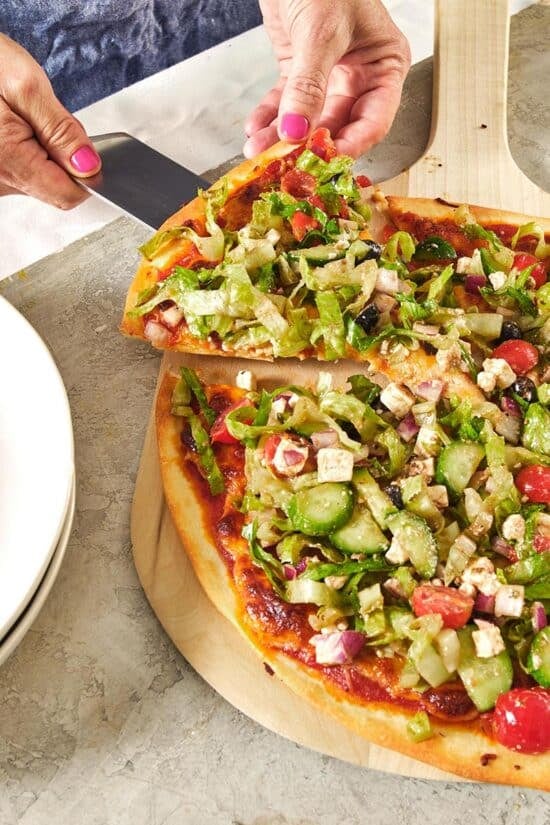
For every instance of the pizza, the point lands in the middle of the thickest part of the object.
(383, 543)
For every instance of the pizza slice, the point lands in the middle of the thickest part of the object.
(290, 255)
(384, 550)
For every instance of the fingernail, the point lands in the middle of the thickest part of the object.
(85, 159)
(294, 127)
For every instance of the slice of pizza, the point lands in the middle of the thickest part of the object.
(384, 547)
(291, 255)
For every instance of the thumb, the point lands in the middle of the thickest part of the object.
(305, 90)
(61, 134)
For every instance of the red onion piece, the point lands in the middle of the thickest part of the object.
(338, 647)
(484, 604)
(301, 566)
(474, 283)
(293, 457)
(325, 438)
(538, 616)
(290, 571)
(156, 333)
(430, 390)
(502, 547)
(408, 427)
(510, 407)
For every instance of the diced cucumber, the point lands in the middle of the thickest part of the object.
(484, 679)
(538, 661)
(360, 534)
(413, 533)
(485, 324)
(457, 463)
(380, 504)
(321, 254)
(417, 501)
(321, 510)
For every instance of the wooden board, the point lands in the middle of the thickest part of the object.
(467, 159)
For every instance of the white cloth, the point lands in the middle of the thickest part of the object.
(192, 112)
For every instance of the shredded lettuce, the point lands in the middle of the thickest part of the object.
(532, 229)
(400, 244)
(329, 326)
(207, 459)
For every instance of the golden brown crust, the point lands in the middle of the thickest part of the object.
(453, 748)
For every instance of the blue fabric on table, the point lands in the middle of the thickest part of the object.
(91, 49)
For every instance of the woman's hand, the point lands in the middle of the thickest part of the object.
(343, 64)
(40, 141)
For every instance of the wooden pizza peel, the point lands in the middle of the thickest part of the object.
(467, 160)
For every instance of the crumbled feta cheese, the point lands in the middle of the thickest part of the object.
(509, 600)
(502, 371)
(370, 598)
(439, 495)
(513, 528)
(427, 441)
(336, 582)
(334, 464)
(481, 524)
(397, 399)
(245, 380)
(422, 467)
(387, 281)
(472, 503)
(398, 553)
(462, 265)
(487, 640)
(481, 574)
(497, 279)
(467, 590)
(398, 351)
(486, 381)
(273, 236)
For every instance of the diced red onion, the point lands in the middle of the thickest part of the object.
(502, 547)
(538, 616)
(430, 390)
(324, 438)
(426, 329)
(293, 457)
(156, 333)
(474, 283)
(510, 406)
(171, 317)
(301, 566)
(407, 427)
(484, 604)
(338, 647)
(290, 571)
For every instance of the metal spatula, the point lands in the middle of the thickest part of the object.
(147, 185)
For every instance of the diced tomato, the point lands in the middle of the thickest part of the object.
(321, 144)
(297, 183)
(301, 224)
(521, 355)
(539, 274)
(521, 720)
(541, 544)
(316, 200)
(454, 608)
(219, 432)
(363, 181)
(534, 483)
(343, 211)
(191, 258)
(270, 447)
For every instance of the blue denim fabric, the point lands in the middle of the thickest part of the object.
(91, 49)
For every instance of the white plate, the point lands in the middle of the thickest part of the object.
(30, 614)
(36, 461)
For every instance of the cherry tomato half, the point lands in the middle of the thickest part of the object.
(521, 720)
(541, 544)
(298, 183)
(454, 608)
(301, 224)
(539, 274)
(363, 181)
(534, 482)
(521, 355)
(219, 432)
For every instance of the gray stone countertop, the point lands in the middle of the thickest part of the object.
(102, 721)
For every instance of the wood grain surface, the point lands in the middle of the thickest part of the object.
(467, 160)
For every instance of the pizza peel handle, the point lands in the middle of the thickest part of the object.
(467, 158)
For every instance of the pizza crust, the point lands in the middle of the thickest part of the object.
(452, 748)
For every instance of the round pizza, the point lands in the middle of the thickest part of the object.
(382, 542)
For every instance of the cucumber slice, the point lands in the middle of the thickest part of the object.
(538, 661)
(360, 534)
(413, 533)
(457, 463)
(484, 679)
(380, 505)
(321, 254)
(321, 510)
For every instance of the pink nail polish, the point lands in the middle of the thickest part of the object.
(294, 127)
(84, 159)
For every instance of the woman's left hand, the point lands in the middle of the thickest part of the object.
(342, 65)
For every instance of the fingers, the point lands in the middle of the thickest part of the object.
(265, 112)
(26, 168)
(370, 120)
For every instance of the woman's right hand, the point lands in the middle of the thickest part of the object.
(41, 143)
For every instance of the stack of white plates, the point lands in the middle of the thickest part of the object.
(36, 475)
